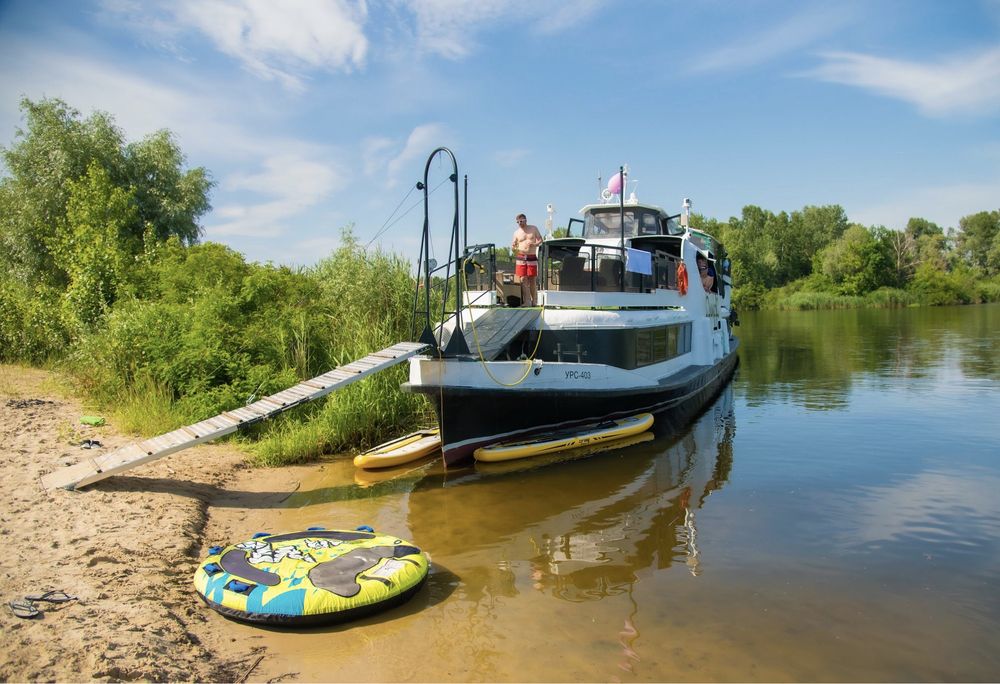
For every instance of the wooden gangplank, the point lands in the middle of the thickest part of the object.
(96, 468)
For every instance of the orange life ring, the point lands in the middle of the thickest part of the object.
(682, 278)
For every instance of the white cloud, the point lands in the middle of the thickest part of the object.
(962, 84)
(420, 141)
(199, 114)
(293, 183)
(279, 41)
(944, 205)
(758, 47)
(447, 27)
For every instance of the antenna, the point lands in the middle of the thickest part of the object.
(550, 210)
(686, 216)
(632, 199)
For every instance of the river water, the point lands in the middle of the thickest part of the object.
(833, 516)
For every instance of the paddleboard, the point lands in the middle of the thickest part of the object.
(401, 450)
(563, 440)
(524, 464)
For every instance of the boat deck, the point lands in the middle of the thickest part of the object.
(490, 334)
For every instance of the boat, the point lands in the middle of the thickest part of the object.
(563, 441)
(621, 328)
(400, 450)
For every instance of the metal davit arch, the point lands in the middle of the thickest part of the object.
(452, 269)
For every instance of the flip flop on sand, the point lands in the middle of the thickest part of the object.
(53, 596)
(24, 609)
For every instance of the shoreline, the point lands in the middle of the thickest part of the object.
(126, 548)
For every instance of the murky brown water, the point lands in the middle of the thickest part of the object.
(828, 520)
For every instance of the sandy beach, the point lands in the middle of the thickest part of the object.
(125, 548)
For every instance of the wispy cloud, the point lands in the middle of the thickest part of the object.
(291, 183)
(140, 105)
(421, 139)
(968, 84)
(280, 41)
(448, 27)
(758, 47)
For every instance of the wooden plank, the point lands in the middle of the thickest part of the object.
(94, 469)
(244, 414)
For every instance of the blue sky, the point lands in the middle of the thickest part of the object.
(312, 114)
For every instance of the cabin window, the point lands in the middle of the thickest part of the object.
(608, 224)
(660, 346)
(643, 347)
(650, 224)
(655, 345)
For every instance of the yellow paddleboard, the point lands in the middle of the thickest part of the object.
(523, 464)
(561, 441)
(401, 450)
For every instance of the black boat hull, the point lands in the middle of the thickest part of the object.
(473, 417)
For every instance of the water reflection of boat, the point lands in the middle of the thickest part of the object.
(583, 530)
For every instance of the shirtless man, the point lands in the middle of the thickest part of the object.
(525, 246)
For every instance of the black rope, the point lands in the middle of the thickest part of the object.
(403, 215)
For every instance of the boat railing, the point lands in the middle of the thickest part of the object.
(484, 276)
(602, 268)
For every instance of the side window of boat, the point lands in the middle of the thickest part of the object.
(650, 224)
(654, 345)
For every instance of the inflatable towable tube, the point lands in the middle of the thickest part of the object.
(310, 578)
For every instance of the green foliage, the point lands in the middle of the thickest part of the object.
(218, 332)
(222, 332)
(63, 168)
(34, 326)
(87, 249)
(370, 300)
(807, 301)
(856, 263)
(979, 241)
(932, 287)
(749, 297)
(890, 298)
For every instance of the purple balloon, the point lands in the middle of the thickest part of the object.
(615, 184)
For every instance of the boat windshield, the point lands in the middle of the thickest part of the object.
(607, 223)
(704, 241)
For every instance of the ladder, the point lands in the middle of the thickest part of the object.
(97, 468)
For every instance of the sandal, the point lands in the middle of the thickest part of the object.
(24, 609)
(53, 596)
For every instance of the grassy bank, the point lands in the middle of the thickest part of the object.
(212, 332)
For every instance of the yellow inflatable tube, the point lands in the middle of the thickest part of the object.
(313, 577)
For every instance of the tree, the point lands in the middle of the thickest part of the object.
(917, 228)
(53, 154)
(977, 237)
(858, 262)
(809, 231)
(747, 240)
